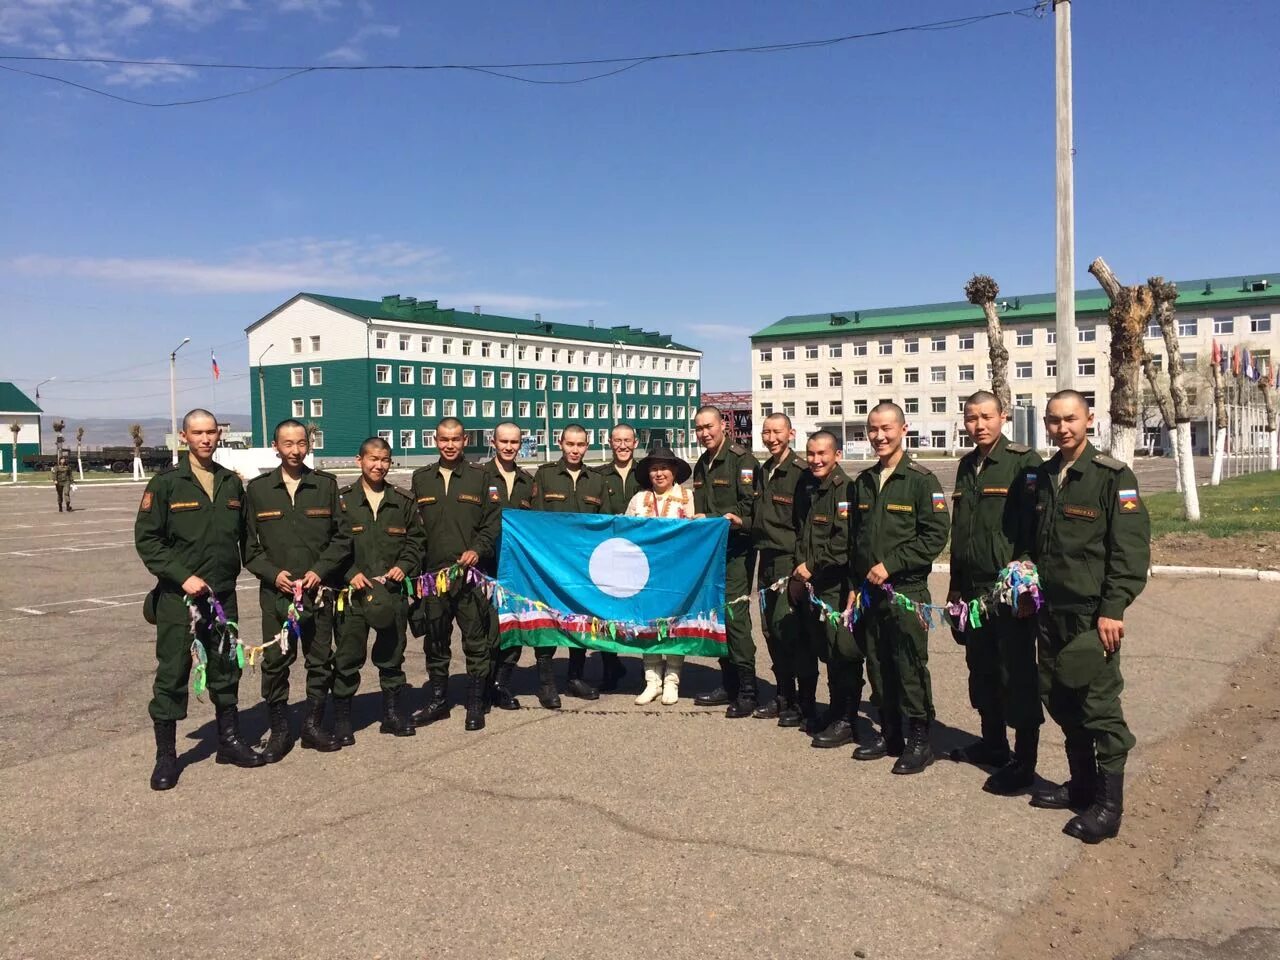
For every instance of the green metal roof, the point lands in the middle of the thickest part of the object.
(1210, 293)
(13, 400)
(429, 312)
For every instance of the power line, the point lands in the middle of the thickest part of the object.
(620, 64)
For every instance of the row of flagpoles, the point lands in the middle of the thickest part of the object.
(1241, 363)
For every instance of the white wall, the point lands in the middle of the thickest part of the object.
(341, 337)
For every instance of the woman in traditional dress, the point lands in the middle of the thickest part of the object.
(660, 475)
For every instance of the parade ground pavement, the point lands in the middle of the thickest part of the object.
(605, 829)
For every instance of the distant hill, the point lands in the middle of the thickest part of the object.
(114, 431)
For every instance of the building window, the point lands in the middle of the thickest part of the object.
(1085, 367)
(602, 385)
(505, 408)
(911, 375)
(299, 409)
(938, 344)
(468, 408)
(295, 376)
(406, 406)
(555, 355)
(297, 345)
(885, 376)
(384, 406)
(1024, 338)
(937, 374)
(537, 354)
(380, 341)
(960, 402)
(504, 351)
(315, 344)
(937, 439)
(449, 408)
(788, 353)
(466, 348)
(587, 383)
(487, 408)
(789, 409)
(788, 381)
(811, 380)
(1022, 370)
(938, 404)
(316, 376)
(1051, 337)
(835, 351)
(571, 384)
(1259, 324)
(448, 377)
(468, 378)
(859, 407)
(835, 378)
(766, 410)
(428, 439)
(386, 435)
(1153, 331)
(557, 382)
(424, 344)
(404, 342)
(886, 348)
(859, 378)
(1051, 368)
(539, 381)
(911, 405)
(1188, 328)
(317, 439)
(836, 408)
(1189, 359)
(811, 351)
(766, 383)
(406, 374)
(486, 348)
(1089, 335)
(521, 350)
(631, 410)
(406, 439)
(504, 380)
(965, 374)
(428, 408)
(1224, 325)
(964, 341)
(860, 349)
(522, 381)
(317, 408)
(428, 376)
(446, 345)
(523, 407)
(811, 408)
(486, 379)
(382, 373)
(1022, 400)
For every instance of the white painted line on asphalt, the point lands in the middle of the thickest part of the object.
(33, 612)
(46, 550)
(105, 603)
(69, 533)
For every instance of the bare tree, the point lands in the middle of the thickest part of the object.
(981, 291)
(58, 439)
(1268, 387)
(1165, 296)
(135, 434)
(1219, 420)
(79, 444)
(1130, 312)
(15, 428)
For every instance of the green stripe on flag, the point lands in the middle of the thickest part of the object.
(552, 637)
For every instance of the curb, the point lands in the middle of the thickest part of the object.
(1189, 573)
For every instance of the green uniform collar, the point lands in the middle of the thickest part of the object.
(277, 477)
(837, 475)
(719, 452)
(458, 465)
(997, 451)
(1054, 465)
(903, 464)
(562, 466)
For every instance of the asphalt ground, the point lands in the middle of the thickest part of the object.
(602, 829)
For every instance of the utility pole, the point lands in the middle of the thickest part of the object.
(1065, 194)
(173, 395)
(262, 394)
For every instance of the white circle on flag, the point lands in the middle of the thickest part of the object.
(619, 568)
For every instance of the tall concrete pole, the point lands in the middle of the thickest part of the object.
(1065, 193)
(173, 395)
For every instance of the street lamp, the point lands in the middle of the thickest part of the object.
(262, 393)
(844, 416)
(39, 419)
(173, 395)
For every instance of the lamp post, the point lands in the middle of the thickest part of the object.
(844, 417)
(262, 393)
(173, 395)
(39, 419)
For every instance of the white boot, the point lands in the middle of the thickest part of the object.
(652, 679)
(671, 682)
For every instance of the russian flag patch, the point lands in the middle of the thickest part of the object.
(939, 503)
(842, 509)
(1128, 500)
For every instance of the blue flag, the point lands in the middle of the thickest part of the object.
(624, 584)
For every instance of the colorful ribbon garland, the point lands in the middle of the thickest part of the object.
(217, 626)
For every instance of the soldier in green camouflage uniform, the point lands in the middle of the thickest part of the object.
(899, 526)
(297, 534)
(460, 522)
(1091, 540)
(190, 534)
(387, 547)
(62, 480)
(620, 479)
(724, 486)
(988, 506)
(567, 486)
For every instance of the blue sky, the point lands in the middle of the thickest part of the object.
(704, 197)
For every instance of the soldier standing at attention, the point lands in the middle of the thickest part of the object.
(387, 545)
(620, 479)
(773, 536)
(1091, 540)
(507, 487)
(724, 486)
(566, 486)
(190, 534)
(62, 479)
(988, 505)
(452, 499)
(899, 527)
(298, 539)
(822, 564)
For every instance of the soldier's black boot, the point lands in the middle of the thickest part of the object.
(784, 700)
(1078, 792)
(393, 721)
(1102, 820)
(576, 685)
(1020, 772)
(723, 694)
(437, 705)
(548, 696)
(840, 723)
(744, 703)
(806, 705)
(314, 735)
(231, 749)
(502, 696)
(612, 670)
(342, 729)
(475, 704)
(992, 750)
(916, 754)
(164, 776)
(281, 740)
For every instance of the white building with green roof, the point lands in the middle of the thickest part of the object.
(17, 409)
(394, 367)
(826, 370)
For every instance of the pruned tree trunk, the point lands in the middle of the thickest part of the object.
(1269, 402)
(982, 291)
(1128, 316)
(15, 429)
(79, 443)
(1165, 295)
(1219, 421)
(1165, 407)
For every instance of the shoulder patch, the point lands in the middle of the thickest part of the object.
(475, 466)
(1017, 448)
(919, 468)
(326, 474)
(348, 488)
(404, 493)
(739, 449)
(1109, 462)
(260, 477)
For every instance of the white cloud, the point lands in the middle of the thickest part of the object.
(353, 51)
(720, 330)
